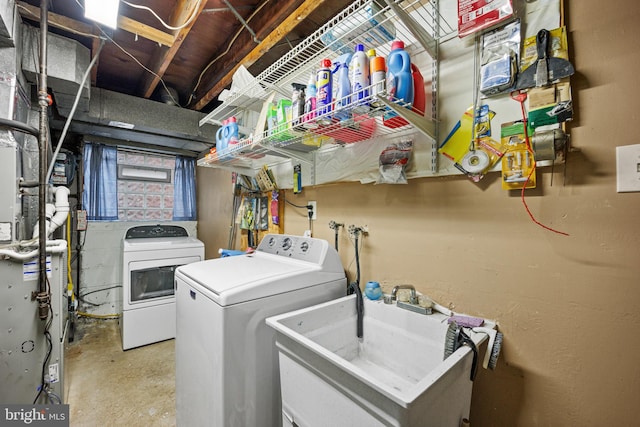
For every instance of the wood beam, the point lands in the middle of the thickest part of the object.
(80, 28)
(143, 30)
(163, 57)
(299, 15)
(58, 21)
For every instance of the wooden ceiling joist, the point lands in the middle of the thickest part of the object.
(77, 27)
(143, 30)
(58, 21)
(163, 57)
(302, 12)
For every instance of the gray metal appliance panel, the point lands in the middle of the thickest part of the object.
(23, 346)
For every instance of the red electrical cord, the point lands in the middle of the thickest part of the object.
(521, 96)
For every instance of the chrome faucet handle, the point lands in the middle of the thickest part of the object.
(413, 299)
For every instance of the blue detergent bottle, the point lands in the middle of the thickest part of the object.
(341, 86)
(233, 136)
(222, 137)
(399, 78)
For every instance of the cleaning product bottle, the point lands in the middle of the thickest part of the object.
(378, 80)
(371, 53)
(272, 119)
(283, 115)
(297, 103)
(419, 100)
(310, 103)
(341, 86)
(324, 94)
(222, 137)
(359, 77)
(399, 79)
(233, 137)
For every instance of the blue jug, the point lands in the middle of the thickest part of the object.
(399, 79)
(222, 137)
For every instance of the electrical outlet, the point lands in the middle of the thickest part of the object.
(628, 168)
(314, 209)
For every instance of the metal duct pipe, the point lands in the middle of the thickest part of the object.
(43, 296)
(19, 126)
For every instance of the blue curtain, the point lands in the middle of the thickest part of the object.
(100, 194)
(184, 190)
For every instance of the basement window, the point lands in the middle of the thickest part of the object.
(143, 173)
(145, 186)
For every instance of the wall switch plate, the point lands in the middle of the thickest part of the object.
(628, 168)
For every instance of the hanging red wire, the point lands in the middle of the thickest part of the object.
(521, 97)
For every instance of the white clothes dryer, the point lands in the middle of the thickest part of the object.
(226, 360)
(150, 256)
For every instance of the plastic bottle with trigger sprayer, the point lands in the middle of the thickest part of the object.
(310, 103)
(297, 103)
(342, 86)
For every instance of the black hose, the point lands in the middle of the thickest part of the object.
(19, 126)
(357, 262)
(359, 309)
(356, 288)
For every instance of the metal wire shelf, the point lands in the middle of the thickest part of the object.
(372, 23)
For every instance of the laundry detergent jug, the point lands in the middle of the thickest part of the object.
(399, 79)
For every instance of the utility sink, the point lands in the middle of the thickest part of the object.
(394, 376)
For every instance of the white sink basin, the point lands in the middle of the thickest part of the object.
(395, 375)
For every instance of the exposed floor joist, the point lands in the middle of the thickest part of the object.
(287, 25)
(58, 21)
(163, 57)
(77, 27)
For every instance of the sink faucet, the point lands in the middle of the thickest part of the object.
(359, 307)
(412, 299)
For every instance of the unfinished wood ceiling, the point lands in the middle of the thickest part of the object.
(191, 65)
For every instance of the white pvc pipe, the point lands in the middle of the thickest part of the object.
(53, 246)
(61, 211)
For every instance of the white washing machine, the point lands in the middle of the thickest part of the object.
(150, 256)
(226, 359)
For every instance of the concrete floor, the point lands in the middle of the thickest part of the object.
(108, 386)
